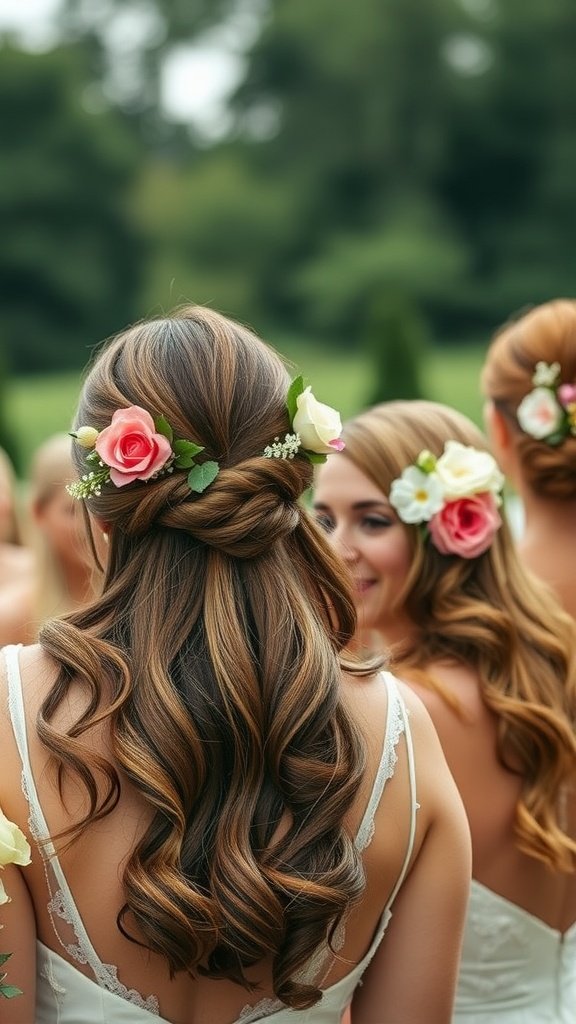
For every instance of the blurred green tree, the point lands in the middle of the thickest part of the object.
(215, 228)
(71, 257)
(7, 437)
(395, 341)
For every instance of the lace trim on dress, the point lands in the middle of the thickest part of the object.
(323, 959)
(61, 906)
(385, 772)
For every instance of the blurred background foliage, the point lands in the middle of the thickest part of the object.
(395, 175)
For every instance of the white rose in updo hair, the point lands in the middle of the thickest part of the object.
(464, 470)
(539, 414)
(14, 847)
(318, 425)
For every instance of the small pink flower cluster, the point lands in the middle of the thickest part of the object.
(548, 412)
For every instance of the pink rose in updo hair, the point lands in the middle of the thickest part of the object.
(466, 527)
(567, 394)
(132, 447)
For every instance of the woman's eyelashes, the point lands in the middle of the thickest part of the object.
(368, 523)
(325, 522)
(373, 523)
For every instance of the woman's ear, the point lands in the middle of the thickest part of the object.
(500, 435)
(497, 427)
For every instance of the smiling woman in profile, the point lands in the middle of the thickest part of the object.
(413, 506)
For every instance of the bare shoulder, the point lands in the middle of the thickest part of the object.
(367, 698)
(16, 602)
(16, 562)
(452, 694)
(433, 777)
(36, 673)
(434, 784)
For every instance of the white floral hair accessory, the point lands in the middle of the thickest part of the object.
(14, 849)
(457, 496)
(548, 412)
(316, 427)
(137, 447)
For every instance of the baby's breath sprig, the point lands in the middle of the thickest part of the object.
(90, 483)
(285, 449)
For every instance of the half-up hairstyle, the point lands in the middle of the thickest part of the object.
(545, 334)
(213, 655)
(488, 613)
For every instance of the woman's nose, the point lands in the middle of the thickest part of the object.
(344, 545)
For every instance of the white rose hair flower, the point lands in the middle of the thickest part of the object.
(457, 496)
(14, 849)
(464, 470)
(316, 427)
(548, 412)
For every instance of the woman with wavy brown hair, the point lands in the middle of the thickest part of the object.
(223, 812)
(529, 380)
(413, 505)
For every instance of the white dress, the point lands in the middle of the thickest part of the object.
(67, 996)
(515, 969)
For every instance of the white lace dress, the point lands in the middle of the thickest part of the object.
(515, 969)
(65, 995)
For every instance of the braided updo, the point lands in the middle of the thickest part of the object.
(213, 656)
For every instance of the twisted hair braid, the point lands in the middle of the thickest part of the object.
(213, 657)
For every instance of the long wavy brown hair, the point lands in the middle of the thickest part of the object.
(213, 658)
(490, 614)
(547, 333)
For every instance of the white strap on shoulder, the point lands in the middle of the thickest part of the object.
(412, 783)
(18, 719)
(38, 825)
(61, 905)
(395, 725)
(15, 703)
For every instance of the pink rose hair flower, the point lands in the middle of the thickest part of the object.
(132, 447)
(137, 447)
(466, 527)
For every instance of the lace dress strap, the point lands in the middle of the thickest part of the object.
(396, 724)
(414, 805)
(61, 906)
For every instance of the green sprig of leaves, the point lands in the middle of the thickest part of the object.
(7, 991)
(185, 452)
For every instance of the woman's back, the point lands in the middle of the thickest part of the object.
(521, 925)
(76, 922)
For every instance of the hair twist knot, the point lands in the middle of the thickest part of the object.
(246, 509)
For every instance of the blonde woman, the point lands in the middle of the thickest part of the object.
(232, 812)
(413, 507)
(62, 576)
(529, 380)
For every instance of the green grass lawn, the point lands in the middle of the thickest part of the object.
(40, 406)
(449, 375)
